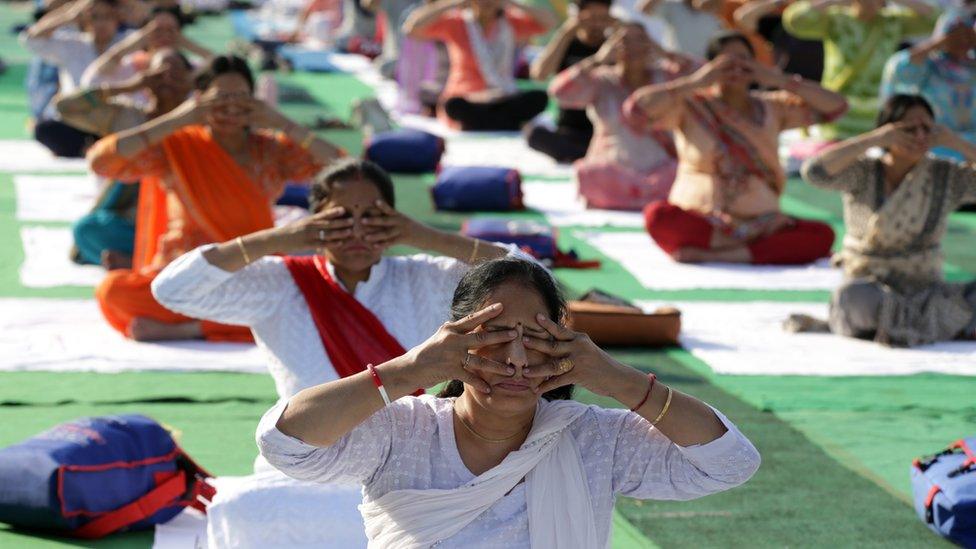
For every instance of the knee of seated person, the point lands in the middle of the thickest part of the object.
(823, 237)
(82, 231)
(858, 295)
(112, 288)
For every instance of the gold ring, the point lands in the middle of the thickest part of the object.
(564, 365)
(467, 357)
(322, 234)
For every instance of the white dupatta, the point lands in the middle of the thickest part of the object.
(558, 500)
(495, 58)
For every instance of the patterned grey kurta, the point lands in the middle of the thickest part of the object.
(895, 241)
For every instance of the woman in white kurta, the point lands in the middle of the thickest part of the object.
(242, 282)
(501, 458)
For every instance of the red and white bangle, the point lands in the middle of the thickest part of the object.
(379, 384)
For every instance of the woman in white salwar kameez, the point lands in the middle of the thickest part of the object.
(302, 309)
(501, 458)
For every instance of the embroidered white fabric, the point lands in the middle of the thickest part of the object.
(410, 295)
(410, 445)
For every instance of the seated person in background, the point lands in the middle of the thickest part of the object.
(71, 37)
(724, 205)
(323, 317)
(623, 168)
(503, 453)
(943, 70)
(482, 38)
(422, 70)
(107, 234)
(210, 170)
(395, 13)
(318, 21)
(581, 36)
(357, 33)
(163, 30)
(41, 82)
(792, 54)
(689, 24)
(896, 209)
(859, 36)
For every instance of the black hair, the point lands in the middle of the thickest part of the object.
(347, 170)
(583, 3)
(111, 3)
(723, 38)
(897, 105)
(175, 11)
(179, 55)
(477, 285)
(223, 64)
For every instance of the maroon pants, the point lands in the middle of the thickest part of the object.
(674, 228)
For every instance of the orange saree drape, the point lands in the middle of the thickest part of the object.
(219, 197)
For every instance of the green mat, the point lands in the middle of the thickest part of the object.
(835, 451)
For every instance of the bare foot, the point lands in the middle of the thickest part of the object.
(113, 260)
(147, 329)
(798, 323)
(700, 255)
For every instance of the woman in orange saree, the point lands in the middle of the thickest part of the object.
(211, 170)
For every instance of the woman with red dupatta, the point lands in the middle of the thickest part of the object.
(724, 204)
(321, 317)
(210, 170)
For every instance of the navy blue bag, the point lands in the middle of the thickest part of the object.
(944, 486)
(95, 476)
(405, 151)
(537, 238)
(474, 188)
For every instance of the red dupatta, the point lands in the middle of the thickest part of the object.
(352, 335)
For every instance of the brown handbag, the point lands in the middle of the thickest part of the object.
(610, 324)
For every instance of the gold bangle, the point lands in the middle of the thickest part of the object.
(240, 244)
(667, 405)
(474, 252)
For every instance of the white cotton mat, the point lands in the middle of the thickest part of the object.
(54, 197)
(268, 509)
(72, 335)
(655, 270)
(27, 156)
(562, 206)
(509, 151)
(47, 263)
(748, 339)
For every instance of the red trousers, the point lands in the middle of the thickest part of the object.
(674, 228)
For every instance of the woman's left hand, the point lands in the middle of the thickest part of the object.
(390, 228)
(575, 360)
(769, 77)
(264, 115)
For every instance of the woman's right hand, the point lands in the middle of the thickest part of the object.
(712, 72)
(326, 228)
(609, 52)
(892, 134)
(446, 354)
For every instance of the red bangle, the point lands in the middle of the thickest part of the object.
(379, 383)
(652, 379)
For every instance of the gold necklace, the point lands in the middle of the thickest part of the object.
(479, 435)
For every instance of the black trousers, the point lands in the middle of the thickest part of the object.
(563, 144)
(507, 113)
(62, 139)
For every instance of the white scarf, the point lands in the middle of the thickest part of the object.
(495, 58)
(558, 500)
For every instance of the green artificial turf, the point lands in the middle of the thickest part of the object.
(835, 450)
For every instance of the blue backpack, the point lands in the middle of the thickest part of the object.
(474, 188)
(537, 238)
(944, 486)
(95, 476)
(405, 151)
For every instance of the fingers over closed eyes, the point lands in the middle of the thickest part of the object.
(381, 221)
(551, 347)
(545, 369)
(475, 340)
(381, 236)
(475, 319)
(557, 331)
